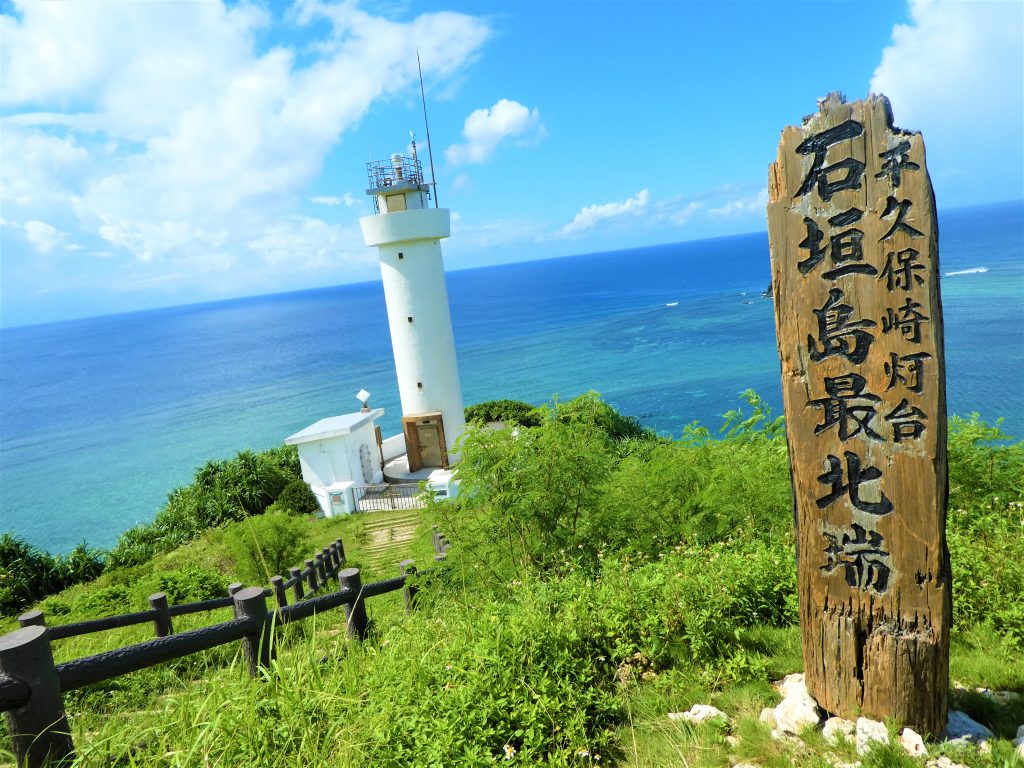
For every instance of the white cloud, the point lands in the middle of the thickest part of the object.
(485, 129)
(956, 73)
(592, 215)
(319, 244)
(742, 206)
(169, 131)
(43, 237)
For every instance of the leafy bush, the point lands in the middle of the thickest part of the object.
(221, 491)
(525, 493)
(590, 409)
(981, 463)
(187, 585)
(509, 411)
(298, 499)
(28, 574)
(265, 546)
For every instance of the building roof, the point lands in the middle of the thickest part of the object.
(334, 426)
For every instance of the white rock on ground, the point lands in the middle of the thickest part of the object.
(1019, 741)
(869, 731)
(798, 709)
(699, 713)
(768, 717)
(943, 762)
(791, 684)
(836, 727)
(912, 742)
(961, 727)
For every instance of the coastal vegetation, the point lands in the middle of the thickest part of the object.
(600, 577)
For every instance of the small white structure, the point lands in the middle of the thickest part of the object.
(339, 454)
(407, 235)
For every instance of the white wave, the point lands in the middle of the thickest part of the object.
(672, 304)
(971, 271)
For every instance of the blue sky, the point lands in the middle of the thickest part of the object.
(166, 153)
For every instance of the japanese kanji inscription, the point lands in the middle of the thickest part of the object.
(854, 248)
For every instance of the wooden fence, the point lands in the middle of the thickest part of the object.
(32, 685)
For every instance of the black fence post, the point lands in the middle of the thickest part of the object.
(321, 569)
(32, 619)
(296, 579)
(280, 593)
(355, 613)
(39, 729)
(311, 576)
(329, 564)
(341, 551)
(234, 588)
(251, 604)
(162, 622)
(408, 568)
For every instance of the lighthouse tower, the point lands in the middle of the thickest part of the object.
(407, 234)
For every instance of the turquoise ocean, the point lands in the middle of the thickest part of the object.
(101, 417)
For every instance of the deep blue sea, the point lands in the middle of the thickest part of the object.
(100, 418)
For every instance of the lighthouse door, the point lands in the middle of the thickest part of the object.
(424, 440)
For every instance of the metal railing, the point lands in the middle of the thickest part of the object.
(388, 496)
(394, 172)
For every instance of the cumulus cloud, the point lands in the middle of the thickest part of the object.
(956, 73)
(592, 215)
(335, 200)
(742, 206)
(485, 129)
(171, 132)
(43, 237)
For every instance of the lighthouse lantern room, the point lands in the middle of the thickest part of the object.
(407, 234)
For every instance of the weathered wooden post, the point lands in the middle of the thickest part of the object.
(329, 565)
(321, 569)
(280, 593)
(234, 588)
(162, 622)
(311, 581)
(256, 645)
(341, 551)
(408, 568)
(39, 729)
(32, 619)
(296, 578)
(854, 248)
(355, 613)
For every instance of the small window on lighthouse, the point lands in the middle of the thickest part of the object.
(419, 385)
(401, 255)
(409, 318)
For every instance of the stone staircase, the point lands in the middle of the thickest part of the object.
(386, 537)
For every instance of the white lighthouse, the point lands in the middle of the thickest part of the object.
(407, 234)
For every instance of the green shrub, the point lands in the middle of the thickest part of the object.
(221, 492)
(187, 585)
(28, 574)
(265, 546)
(298, 499)
(508, 411)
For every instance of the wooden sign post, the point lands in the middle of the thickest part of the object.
(854, 248)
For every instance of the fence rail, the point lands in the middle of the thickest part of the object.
(32, 685)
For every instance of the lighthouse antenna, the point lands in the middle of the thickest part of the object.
(430, 147)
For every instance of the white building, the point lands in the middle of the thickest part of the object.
(407, 234)
(337, 455)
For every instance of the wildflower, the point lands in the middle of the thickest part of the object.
(510, 751)
(583, 753)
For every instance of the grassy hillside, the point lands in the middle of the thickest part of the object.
(597, 581)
